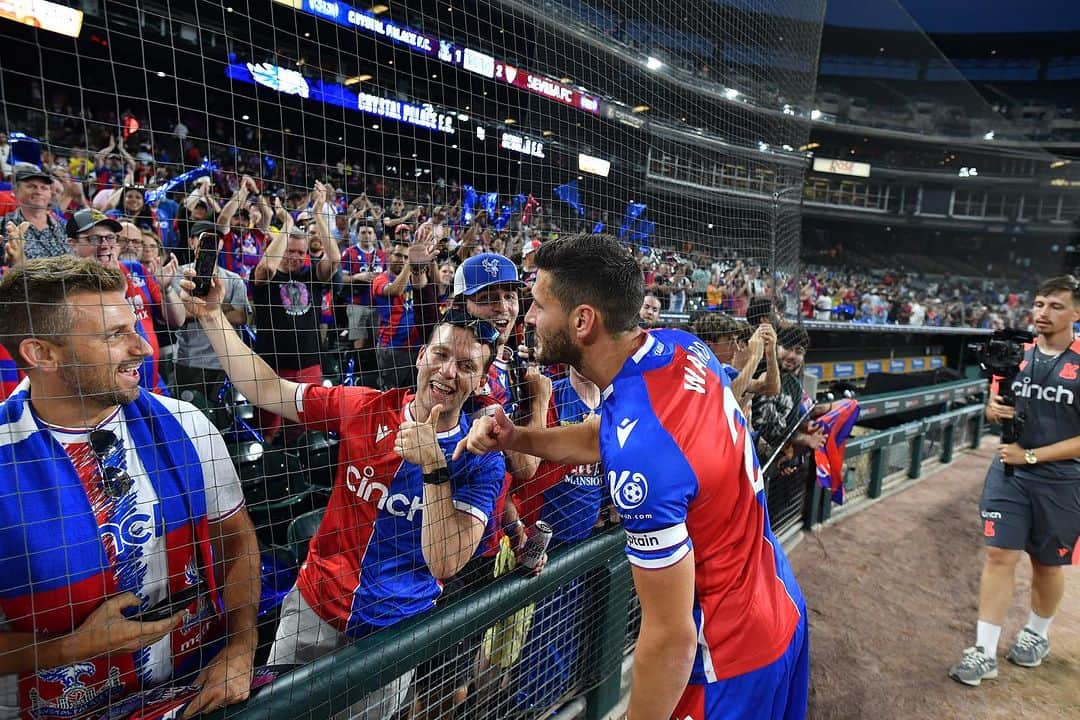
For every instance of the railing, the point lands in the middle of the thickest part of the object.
(598, 566)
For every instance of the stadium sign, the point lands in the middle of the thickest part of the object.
(522, 144)
(841, 167)
(291, 82)
(456, 55)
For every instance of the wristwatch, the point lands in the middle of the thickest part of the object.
(1029, 457)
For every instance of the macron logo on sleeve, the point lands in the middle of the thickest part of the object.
(622, 432)
(381, 432)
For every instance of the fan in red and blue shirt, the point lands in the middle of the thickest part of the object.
(145, 297)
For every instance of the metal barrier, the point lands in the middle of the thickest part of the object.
(334, 682)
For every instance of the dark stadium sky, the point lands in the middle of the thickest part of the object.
(957, 16)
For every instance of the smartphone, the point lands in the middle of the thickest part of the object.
(206, 259)
(172, 604)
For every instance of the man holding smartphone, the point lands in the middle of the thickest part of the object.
(118, 502)
(197, 367)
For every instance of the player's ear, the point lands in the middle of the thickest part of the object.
(39, 354)
(420, 356)
(583, 320)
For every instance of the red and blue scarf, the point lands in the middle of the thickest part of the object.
(55, 570)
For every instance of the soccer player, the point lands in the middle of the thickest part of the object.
(723, 632)
(1036, 509)
(401, 517)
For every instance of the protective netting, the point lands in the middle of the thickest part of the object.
(341, 165)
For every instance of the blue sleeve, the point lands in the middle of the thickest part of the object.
(476, 483)
(651, 485)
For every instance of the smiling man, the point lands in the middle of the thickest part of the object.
(402, 516)
(1035, 509)
(723, 623)
(117, 501)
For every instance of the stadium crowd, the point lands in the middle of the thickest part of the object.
(425, 298)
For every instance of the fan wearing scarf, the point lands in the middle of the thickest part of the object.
(115, 503)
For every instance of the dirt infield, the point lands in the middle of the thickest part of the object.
(892, 597)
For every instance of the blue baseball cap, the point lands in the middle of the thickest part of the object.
(484, 270)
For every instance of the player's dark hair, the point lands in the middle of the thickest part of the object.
(714, 327)
(793, 336)
(595, 270)
(1061, 283)
(33, 298)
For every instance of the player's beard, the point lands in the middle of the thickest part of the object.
(557, 347)
(93, 385)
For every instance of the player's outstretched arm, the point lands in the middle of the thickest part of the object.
(570, 444)
(667, 641)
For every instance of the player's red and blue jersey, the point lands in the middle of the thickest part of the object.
(397, 318)
(365, 568)
(566, 497)
(9, 374)
(144, 294)
(357, 260)
(683, 474)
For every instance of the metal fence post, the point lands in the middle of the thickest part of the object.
(915, 468)
(613, 596)
(948, 439)
(877, 471)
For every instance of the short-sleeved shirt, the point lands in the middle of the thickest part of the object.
(49, 242)
(287, 311)
(193, 346)
(144, 294)
(682, 472)
(397, 316)
(1047, 390)
(357, 260)
(365, 568)
(145, 518)
(566, 497)
(241, 252)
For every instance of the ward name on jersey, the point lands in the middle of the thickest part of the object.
(365, 568)
(682, 472)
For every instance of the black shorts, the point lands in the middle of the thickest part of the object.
(1041, 517)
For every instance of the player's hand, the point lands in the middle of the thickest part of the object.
(996, 410)
(489, 433)
(417, 442)
(108, 630)
(1011, 454)
(227, 679)
(756, 343)
(198, 307)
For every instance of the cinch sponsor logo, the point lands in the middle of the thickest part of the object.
(1050, 393)
(361, 484)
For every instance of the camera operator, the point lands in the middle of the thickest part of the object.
(1036, 509)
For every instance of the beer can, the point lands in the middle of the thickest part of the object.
(536, 545)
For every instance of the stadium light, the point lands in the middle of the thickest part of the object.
(364, 77)
(731, 93)
(653, 64)
(640, 108)
(1059, 164)
(379, 9)
(815, 114)
(989, 135)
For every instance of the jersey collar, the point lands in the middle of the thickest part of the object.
(636, 358)
(407, 414)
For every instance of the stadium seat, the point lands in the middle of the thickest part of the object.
(301, 530)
